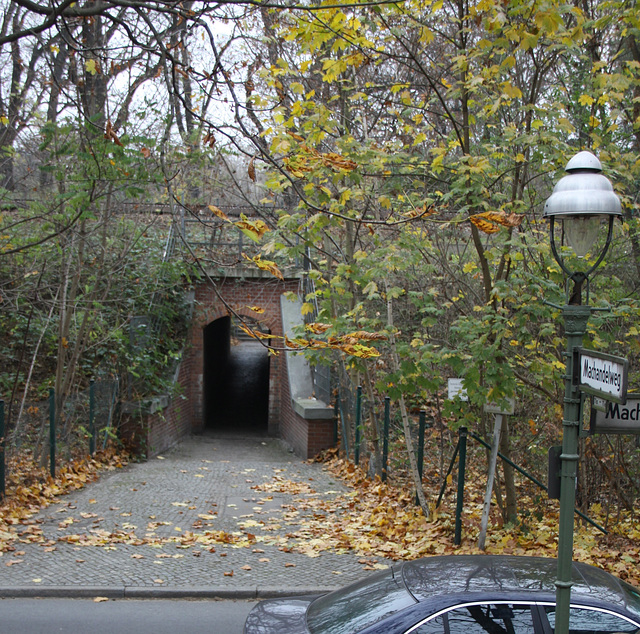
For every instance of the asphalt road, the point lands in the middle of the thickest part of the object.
(153, 616)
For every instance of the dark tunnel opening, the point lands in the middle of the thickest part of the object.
(235, 379)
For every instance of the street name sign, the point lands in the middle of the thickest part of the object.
(615, 418)
(601, 375)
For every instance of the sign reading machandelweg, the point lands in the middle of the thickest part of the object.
(601, 375)
(613, 418)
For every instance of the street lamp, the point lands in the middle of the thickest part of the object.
(581, 201)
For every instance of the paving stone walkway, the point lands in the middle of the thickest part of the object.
(205, 519)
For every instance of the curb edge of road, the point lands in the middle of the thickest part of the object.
(152, 592)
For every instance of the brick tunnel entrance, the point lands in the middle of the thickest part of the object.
(235, 378)
(232, 385)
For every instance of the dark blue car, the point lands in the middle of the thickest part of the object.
(458, 594)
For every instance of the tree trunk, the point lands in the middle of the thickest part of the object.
(510, 511)
(413, 463)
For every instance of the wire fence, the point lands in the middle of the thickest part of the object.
(39, 434)
(615, 484)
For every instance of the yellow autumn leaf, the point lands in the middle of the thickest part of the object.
(256, 334)
(253, 229)
(317, 327)
(218, 212)
(358, 350)
(297, 165)
(265, 265)
(363, 335)
(92, 67)
(490, 221)
(338, 162)
(511, 91)
(484, 225)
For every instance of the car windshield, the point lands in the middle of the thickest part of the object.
(357, 606)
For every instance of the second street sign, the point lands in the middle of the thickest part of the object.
(601, 375)
(614, 418)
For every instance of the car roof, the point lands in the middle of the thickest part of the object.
(510, 576)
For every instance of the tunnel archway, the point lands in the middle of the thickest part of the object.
(235, 377)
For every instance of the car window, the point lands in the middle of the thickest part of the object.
(594, 621)
(481, 619)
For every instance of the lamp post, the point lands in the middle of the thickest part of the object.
(581, 201)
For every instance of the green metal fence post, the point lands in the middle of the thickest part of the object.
(92, 421)
(385, 437)
(421, 426)
(356, 456)
(2, 446)
(52, 432)
(462, 461)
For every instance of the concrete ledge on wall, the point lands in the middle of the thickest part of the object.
(312, 409)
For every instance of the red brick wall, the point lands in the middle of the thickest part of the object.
(151, 432)
(168, 426)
